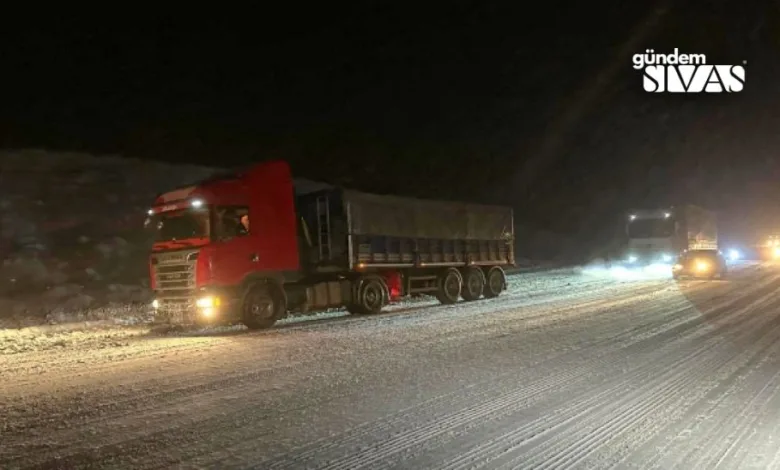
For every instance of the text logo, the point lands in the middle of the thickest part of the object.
(687, 73)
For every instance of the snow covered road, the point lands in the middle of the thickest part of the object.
(567, 369)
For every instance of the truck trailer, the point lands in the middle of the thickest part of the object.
(659, 236)
(243, 248)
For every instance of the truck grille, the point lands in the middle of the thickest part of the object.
(174, 275)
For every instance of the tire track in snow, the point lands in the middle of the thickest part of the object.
(359, 434)
(693, 429)
(167, 420)
(164, 433)
(751, 414)
(130, 396)
(483, 452)
(736, 415)
(728, 440)
(556, 428)
(411, 440)
(134, 404)
(160, 417)
(766, 450)
(629, 412)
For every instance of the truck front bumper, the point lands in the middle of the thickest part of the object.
(206, 308)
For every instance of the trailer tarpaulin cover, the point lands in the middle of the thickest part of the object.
(394, 216)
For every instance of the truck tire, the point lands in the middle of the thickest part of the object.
(371, 296)
(261, 306)
(473, 284)
(449, 286)
(495, 282)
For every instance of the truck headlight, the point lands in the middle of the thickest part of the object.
(207, 302)
(702, 266)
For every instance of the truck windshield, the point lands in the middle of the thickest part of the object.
(181, 225)
(651, 228)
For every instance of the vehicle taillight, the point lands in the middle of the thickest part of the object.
(394, 286)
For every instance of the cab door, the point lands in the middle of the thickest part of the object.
(235, 249)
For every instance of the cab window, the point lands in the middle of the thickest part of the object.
(232, 221)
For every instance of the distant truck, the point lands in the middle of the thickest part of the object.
(245, 249)
(659, 236)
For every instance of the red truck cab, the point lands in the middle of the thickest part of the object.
(203, 254)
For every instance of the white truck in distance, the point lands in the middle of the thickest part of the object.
(659, 236)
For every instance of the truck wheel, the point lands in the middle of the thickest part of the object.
(473, 284)
(260, 308)
(449, 284)
(371, 296)
(495, 282)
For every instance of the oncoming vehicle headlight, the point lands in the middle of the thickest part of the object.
(207, 302)
(155, 304)
(666, 258)
(677, 267)
(632, 259)
(702, 266)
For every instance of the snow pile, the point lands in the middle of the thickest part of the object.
(72, 242)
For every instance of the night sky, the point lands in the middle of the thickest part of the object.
(531, 105)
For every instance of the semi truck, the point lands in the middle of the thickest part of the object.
(244, 248)
(659, 236)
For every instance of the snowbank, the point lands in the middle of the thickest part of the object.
(72, 242)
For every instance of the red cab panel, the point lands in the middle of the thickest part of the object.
(272, 242)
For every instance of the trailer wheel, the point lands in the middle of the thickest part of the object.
(372, 296)
(449, 285)
(495, 282)
(473, 284)
(261, 307)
